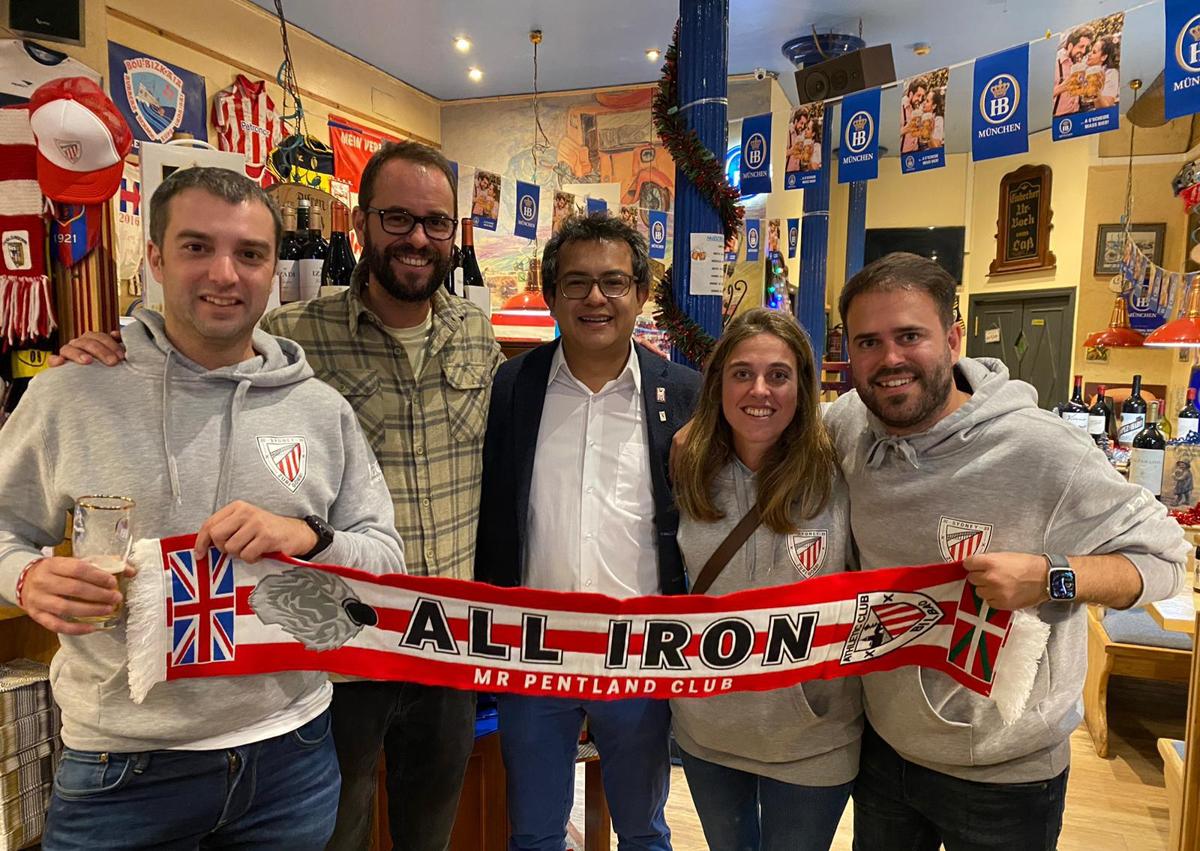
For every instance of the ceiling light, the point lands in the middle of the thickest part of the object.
(652, 54)
(475, 74)
(462, 44)
(921, 48)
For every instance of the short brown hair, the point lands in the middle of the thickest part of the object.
(413, 152)
(222, 183)
(902, 271)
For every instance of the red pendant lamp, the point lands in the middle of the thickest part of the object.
(1118, 334)
(1184, 332)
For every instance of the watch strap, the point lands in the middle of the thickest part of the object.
(324, 535)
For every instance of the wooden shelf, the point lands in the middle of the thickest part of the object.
(10, 612)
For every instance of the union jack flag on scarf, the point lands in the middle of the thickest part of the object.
(200, 611)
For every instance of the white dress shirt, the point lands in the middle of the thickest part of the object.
(591, 507)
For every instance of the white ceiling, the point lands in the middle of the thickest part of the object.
(589, 43)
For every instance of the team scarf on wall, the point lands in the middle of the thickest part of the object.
(210, 615)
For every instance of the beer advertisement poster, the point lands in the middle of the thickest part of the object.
(596, 205)
(923, 121)
(756, 155)
(858, 158)
(793, 236)
(485, 204)
(528, 198)
(1087, 78)
(753, 235)
(806, 132)
(1000, 108)
(658, 234)
(1182, 74)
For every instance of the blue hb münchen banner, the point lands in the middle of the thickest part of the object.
(793, 236)
(596, 205)
(658, 234)
(858, 155)
(1000, 108)
(753, 238)
(528, 196)
(756, 155)
(1182, 74)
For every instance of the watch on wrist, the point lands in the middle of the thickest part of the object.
(1060, 580)
(324, 533)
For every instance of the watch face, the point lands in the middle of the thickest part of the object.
(1062, 584)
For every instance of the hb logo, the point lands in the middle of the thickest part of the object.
(658, 233)
(752, 237)
(1064, 126)
(756, 150)
(859, 131)
(999, 99)
(1187, 46)
(528, 208)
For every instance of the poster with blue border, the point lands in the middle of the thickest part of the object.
(793, 226)
(923, 121)
(806, 135)
(858, 154)
(1182, 74)
(658, 234)
(528, 205)
(756, 155)
(1000, 104)
(1087, 79)
(753, 238)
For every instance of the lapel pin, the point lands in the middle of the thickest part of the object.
(662, 416)
(660, 394)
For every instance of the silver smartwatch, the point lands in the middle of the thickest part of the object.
(1060, 580)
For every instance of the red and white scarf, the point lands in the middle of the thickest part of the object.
(26, 300)
(211, 615)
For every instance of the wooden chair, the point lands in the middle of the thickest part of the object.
(1171, 751)
(1131, 644)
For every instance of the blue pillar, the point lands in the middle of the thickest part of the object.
(703, 68)
(856, 227)
(814, 247)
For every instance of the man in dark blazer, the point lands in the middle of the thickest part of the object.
(576, 498)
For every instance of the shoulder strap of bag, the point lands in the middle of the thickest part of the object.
(732, 543)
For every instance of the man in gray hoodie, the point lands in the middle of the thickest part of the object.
(947, 458)
(209, 425)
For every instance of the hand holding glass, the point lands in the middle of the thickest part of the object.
(101, 536)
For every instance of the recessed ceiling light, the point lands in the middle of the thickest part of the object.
(462, 44)
(921, 48)
(652, 54)
(475, 74)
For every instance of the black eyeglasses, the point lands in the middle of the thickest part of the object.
(400, 222)
(612, 285)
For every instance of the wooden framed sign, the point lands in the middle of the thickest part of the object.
(1023, 228)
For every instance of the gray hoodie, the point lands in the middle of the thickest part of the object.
(182, 441)
(807, 734)
(997, 475)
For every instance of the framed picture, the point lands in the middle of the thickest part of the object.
(1110, 242)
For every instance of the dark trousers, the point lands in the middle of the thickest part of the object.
(426, 735)
(901, 806)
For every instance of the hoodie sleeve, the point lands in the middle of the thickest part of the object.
(362, 516)
(1100, 513)
(32, 513)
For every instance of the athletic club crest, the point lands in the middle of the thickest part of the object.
(286, 458)
(807, 550)
(887, 620)
(71, 149)
(959, 539)
(155, 96)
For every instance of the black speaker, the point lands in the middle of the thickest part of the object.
(843, 75)
(48, 20)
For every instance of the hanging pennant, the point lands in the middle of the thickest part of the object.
(658, 235)
(859, 155)
(1087, 78)
(756, 155)
(793, 236)
(485, 204)
(564, 208)
(1181, 90)
(923, 121)
(773, 236)
(805, 134)
(753, 227)
(596, 205)
(528, 196)
(999, 120)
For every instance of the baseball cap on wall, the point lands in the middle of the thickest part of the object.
(81, 140)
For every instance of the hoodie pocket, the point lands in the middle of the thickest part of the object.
(360, 387)
(467, 392)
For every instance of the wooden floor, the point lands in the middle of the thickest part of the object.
(1114, 804)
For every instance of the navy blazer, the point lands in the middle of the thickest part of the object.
(518, 393)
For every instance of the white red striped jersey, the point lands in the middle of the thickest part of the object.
(246, 121)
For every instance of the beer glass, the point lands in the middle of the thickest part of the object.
(100, 535)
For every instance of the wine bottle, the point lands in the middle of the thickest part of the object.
(1133, 415)
(454, 273)
(339, 263)
(289, 255)
(1098, 417)
(1146, 457)
(467, 261)
(312, 257)
(1188, 419)
(1075, 411)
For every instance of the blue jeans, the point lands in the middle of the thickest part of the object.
(740, 811)
(902, 806)
(539, 739)
(277, 793)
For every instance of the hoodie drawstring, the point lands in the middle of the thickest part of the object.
(172, 468)
(878, 452)
(223, 478)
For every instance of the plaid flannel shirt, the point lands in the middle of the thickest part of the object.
(427, 430)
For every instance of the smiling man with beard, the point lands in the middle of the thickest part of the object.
(948, 459)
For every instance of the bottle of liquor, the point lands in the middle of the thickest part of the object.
(1098, 418)
(471, 276)
(339, 264)
(312, 257)
(1146, 457)
(1188, 420)
(1075, 411)
(289, 255)
(1133, 415)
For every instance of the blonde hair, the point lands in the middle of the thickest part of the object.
(798, 471)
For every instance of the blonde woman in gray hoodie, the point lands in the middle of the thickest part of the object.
(767, 770)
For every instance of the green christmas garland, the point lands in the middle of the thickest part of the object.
(705, 172)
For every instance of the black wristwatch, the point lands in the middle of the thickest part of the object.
(324, 533)
(1060, 580)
